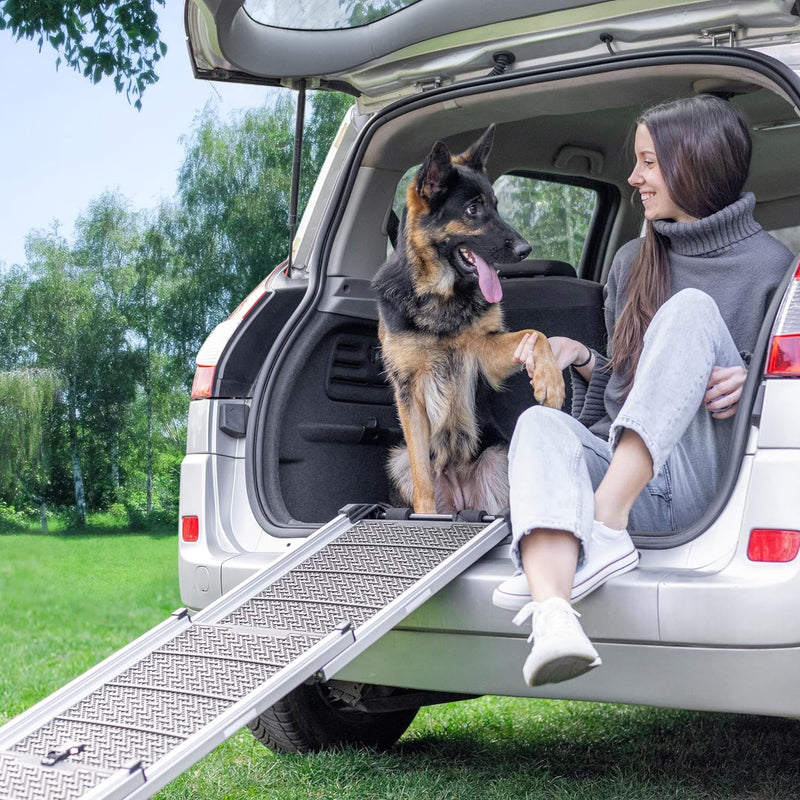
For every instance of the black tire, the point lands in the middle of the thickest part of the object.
(311, 718)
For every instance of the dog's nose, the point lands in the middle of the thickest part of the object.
(520, 248)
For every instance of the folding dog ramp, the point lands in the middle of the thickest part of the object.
(131, 724)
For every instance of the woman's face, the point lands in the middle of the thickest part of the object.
(647, 178)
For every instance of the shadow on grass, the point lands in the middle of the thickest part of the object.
(631, 751)
(506, 749)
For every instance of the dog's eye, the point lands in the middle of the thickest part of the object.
(473, 208)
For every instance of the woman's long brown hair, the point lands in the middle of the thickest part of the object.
(703, 148)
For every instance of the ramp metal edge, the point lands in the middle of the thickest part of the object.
(64, 697)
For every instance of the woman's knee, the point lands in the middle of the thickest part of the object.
(541, 435)
(693, 302)
(686, 310)
(536, 422)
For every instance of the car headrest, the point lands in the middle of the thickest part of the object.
(531, 267)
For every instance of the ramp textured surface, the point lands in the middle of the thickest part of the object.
(138, 721)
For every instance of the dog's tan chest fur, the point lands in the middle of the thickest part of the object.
(442, 376)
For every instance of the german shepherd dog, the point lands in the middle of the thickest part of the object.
(442, 335)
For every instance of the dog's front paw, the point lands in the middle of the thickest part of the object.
(548, 379)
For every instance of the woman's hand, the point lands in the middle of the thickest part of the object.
(566, 352)
(724, 391)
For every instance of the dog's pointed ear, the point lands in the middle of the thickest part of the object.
(432, 175)
(477, 154)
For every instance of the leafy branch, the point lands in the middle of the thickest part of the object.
(99, 39)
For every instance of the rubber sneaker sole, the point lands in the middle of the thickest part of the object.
(513, 594)
(558, 669)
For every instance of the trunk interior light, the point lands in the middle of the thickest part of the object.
(784, 347)
(190, 529)
(773, 545)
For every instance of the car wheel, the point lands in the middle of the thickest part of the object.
(314, 717)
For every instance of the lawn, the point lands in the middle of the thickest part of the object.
(67, 601)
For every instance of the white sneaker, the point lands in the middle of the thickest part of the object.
(561, 650)
(611, 553)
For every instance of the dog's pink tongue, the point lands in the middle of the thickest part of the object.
(488, 280)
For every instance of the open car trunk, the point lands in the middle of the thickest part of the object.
(324, 439)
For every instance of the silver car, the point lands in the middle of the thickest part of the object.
(291, 417)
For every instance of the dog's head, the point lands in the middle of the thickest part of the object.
(452, 209)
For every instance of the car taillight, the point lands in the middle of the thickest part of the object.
(783, 360)
(773, 545)
(210, 352)
(190, 529)
(203, 381)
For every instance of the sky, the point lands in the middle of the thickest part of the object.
(64, 141)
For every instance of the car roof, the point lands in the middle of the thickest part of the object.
(381, 50)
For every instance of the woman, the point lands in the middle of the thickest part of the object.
(651, 425)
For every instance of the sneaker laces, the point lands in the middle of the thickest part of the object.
(558, 619)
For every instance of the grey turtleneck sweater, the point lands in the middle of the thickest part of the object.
(727, 255)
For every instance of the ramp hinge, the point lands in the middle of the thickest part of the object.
(357, 511)
(55, 756)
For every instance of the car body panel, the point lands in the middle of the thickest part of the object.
(440, 42)
(741, 680)
(698, 624)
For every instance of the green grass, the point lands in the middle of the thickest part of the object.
(69, 601)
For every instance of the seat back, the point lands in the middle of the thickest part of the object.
(556, 305)
(533, 267)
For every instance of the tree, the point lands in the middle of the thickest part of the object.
(119, 39)
(75, 308)
(231, 223)
(157, 396)
(107, 239)
(26, 395)
(118, 314)
(14, 341)
(57, 304)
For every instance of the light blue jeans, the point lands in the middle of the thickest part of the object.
(555, 462)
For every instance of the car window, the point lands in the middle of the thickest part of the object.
(789, 236)
(323, 14)
(554, 217)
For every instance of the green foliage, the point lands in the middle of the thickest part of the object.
(75, 312)
(26, 395)
(230, 226)
(99, 39)
(117, 316)
(553, 217)
(16, 519)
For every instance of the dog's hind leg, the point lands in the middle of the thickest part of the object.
(481, 485)
(484, 482)
(449, 497)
